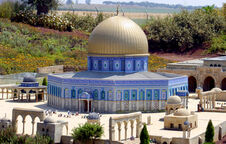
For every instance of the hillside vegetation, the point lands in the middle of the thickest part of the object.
(33, 41)
(185, 31)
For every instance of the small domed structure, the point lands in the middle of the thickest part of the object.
(49, 119)
(29, 79)
(174, 100)
(173, 103)
(182, 112)
(93, 116)
(180, 120)
(5, 123)
(4, 119)
(52, 128)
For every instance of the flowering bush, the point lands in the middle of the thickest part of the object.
(67, 22)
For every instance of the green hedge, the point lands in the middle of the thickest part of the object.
(183, 31)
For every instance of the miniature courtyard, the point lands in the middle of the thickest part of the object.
(156, 128)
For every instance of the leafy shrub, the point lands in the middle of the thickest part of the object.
(144, 136)
(183, 31)
(218, 44)
(39, 140)
(7, 135)
(87, 132)
(209, 135)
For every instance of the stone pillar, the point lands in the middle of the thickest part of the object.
(15, 125)
(189, 132)
(132, 126)
(111, 130)
(138, 128)
(184, 133)
(23, 125)
(125, 124)
(33, 126)
(27, 93)
(213, 101)
(7, 95)
(119, 131)
(204, 98)
(88, 106)
(148, 120)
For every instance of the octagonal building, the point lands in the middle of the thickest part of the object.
(117, 79)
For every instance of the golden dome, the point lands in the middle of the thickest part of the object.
(118, 36)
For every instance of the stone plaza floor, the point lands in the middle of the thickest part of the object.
(156, 127)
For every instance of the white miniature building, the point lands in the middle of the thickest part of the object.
(52, 128)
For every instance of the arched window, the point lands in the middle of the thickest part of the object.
(219, 65)
(149, 94)
(102, 95)
(211, 65)
(95, 94)
(215, 65)
(134, 94)
(126, 95)
(73, 93)
(80, 92)
(141, 96)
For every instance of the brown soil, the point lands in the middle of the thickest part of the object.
(75, 33)
(196, 54)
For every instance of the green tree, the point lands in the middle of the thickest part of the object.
(209, 132)
(208, 9)
(144, 136)
(6, 9)
(44, 82)
(43, 6)
(87, 133)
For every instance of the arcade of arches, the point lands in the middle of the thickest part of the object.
(205, 77)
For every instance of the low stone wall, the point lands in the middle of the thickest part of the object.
(59, 69)
(221, 96)
(51, 69)
(69, 140)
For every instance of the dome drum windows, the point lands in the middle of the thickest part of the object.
(118, 64)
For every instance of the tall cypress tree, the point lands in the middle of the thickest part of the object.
(44, 82)
(209, 132)
(144, 136)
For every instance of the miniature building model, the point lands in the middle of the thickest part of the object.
(29, 87)
(176, 120)
(5, 123)
(173, 104)
(117, 78)
(206, 72)
(52, 128)
(93, 118)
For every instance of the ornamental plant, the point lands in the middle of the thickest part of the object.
(209, 135)
(87, 133)
(144, 136)
(44, 82)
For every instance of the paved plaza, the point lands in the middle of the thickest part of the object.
(156, 127)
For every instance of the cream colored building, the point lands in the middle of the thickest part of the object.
(173, 104)
(206, 73)
(176, 121)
